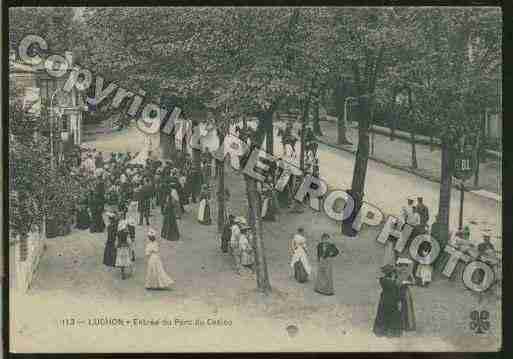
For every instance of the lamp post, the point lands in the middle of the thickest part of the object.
(346, 101)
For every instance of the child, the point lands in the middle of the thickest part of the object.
(424, 271)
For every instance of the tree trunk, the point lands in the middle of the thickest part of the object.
(261, 129)
(221, 206)
(196, 166)
(269, 132)
(392, 115)
(220, 197)
(445, 192)
(360, 164)
(362, 153)
(306, 108)
(342, 91)
(255, 220)
(414, 163)
(392, 128)
(316, 125)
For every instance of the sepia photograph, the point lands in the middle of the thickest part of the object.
(254, 179)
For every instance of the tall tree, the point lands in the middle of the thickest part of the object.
(366, 37)
(458, 46)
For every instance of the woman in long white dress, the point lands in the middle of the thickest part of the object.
(156, 276)
(204, 206)
(424, 271)
(300, 265)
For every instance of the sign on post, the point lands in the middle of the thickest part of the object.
(464, 165)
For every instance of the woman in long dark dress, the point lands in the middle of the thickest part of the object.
(284, 196)
(97, 206)
(227, 234)
(170, 226)
(405, 278)
(109, 255)
(325, 251)
(388, 316)
(268, 209)
(83, 217)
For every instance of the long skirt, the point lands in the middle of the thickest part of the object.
(283, 198)
(123, 257)
(268, 210)
(324, 282)
(131, 233)
(109, 254)
(390, 255)
(204, 212)
(97, 224)
(300, 272)
(225, 239)
(170, 228)
(156, 276)
(247, 258)
(424, 272)
(407, 310)
(178, 208)
(388, 318)
(83, 218)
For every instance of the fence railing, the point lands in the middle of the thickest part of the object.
(28, 252)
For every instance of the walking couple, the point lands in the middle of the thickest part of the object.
(300, 264)
(395, 312)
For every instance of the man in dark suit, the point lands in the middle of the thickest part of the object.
(144, 193)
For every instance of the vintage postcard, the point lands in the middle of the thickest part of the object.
(255, 179)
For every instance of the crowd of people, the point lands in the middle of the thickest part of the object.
(127, 192)
(395, 313)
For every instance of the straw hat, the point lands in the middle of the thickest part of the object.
(404, 261)
(241, 220)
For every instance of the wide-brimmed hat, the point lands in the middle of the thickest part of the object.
(244, 227)
(405, 261)
(241, 220)
(388, 268)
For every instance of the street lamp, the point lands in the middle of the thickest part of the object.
(346, 101)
